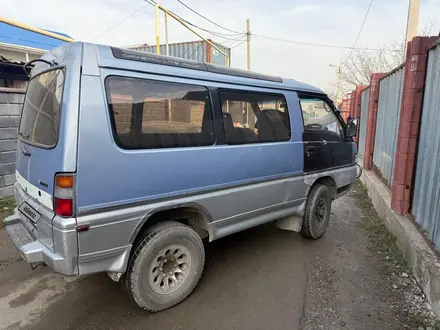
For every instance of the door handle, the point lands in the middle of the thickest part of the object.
(25, 152)
(310, 150)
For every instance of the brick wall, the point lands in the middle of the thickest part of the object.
(11, 101)
(371, 119)
(408, 129)
(409, 123)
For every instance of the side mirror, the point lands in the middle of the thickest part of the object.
(352, 127)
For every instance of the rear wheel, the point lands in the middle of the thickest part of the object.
(165, 267)
(317, 214)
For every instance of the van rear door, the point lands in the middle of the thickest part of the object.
(38, 157)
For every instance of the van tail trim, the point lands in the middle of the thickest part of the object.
(40, 195)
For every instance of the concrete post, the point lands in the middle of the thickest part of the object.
(410, 115)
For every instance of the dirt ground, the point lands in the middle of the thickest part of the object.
(263, 278)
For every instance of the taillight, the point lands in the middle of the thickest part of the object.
(63, 195)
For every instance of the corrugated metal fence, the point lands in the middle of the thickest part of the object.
(365, 97)
(197, 51)
(426, 200)
(388, 114)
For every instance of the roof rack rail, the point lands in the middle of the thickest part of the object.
(188, 64)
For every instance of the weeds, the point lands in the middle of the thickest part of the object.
(380, 239)
(382, 242)
(7, 206)
(418, 321)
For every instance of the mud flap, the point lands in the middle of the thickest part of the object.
(292, 223)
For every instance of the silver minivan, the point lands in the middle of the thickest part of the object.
(126, 161)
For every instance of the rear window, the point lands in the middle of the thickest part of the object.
(41, 110)
(150, 114)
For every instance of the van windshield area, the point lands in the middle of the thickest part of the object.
(40, 119)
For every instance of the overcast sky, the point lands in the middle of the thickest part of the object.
(317, 21)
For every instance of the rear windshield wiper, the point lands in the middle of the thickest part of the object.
(50, 63)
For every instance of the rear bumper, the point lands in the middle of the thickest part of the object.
(32, 250)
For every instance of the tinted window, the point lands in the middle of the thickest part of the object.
(254, 118)
(122, 109)
(39, 123)
(318, 116)
(152, 114)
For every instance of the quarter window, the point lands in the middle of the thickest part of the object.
(254, 117)
(153, 114)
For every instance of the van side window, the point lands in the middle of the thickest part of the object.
(122, 105)
(319, 117)
(254, 117)
(154, 114)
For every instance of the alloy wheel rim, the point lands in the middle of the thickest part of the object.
(169, 269)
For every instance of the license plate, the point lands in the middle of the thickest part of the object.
(29, 212)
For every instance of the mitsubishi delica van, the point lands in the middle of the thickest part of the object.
(126, 161)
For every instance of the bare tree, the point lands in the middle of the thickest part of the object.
(357, 68)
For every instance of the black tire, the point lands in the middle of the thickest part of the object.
(317, 213)
(155, 240)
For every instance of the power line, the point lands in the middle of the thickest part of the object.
(235, 42)
(209, 31)
(321, 45)
(121, 21)
(240, 43)
(230, 45)
(204, 17)
(232, 41)
(215, 33)
(362, 26)
(218, 34)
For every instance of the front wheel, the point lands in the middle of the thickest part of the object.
(317, 214)
(165, 267)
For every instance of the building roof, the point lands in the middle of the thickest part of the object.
(14, 35)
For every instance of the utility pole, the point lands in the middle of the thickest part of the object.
(178, 19)
(166, 33)
(413, 21)
(157, 30)
(248, 36)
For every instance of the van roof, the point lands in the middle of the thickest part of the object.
(119, 58)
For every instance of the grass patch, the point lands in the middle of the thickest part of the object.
(380, 239)
(383, 243)
(7, 206)
(419, 321)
